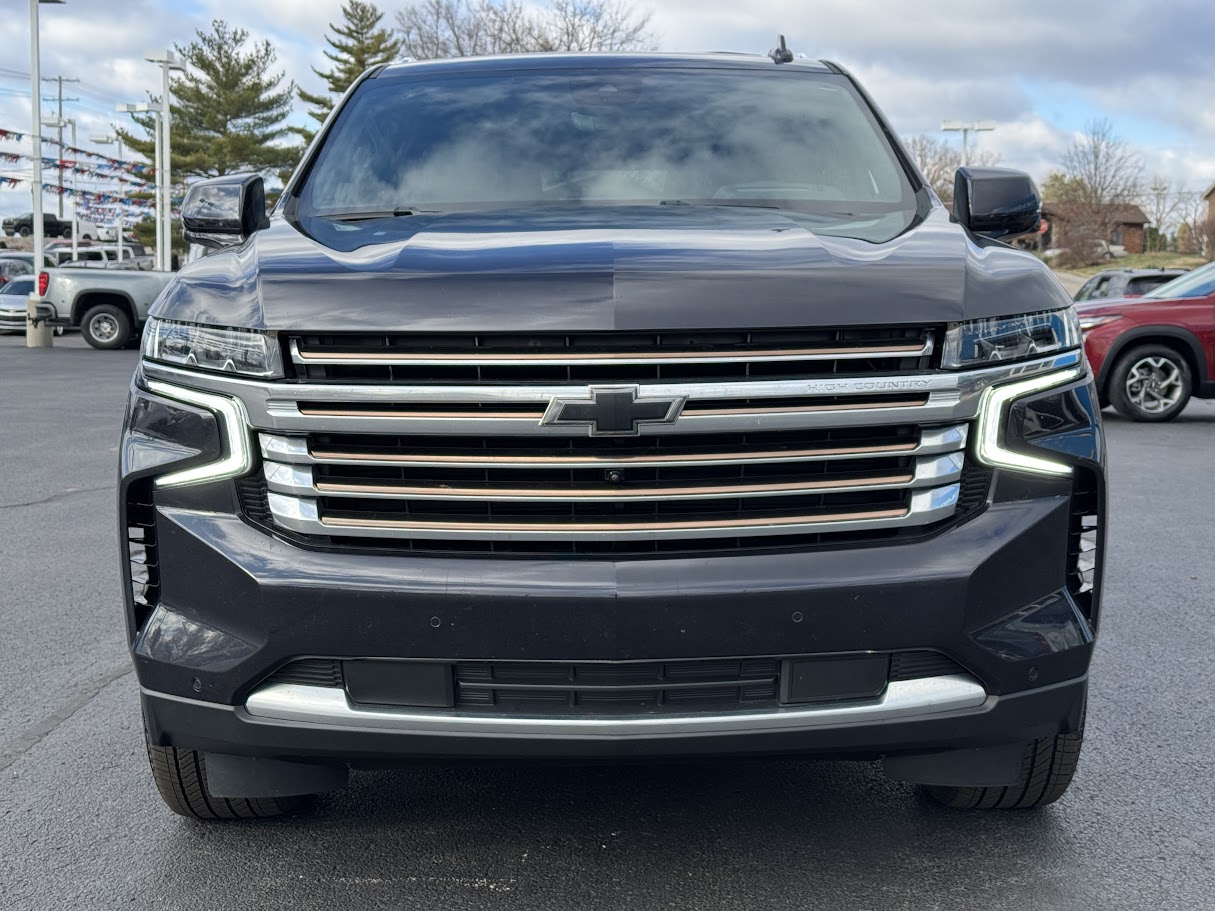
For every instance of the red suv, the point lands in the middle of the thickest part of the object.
(1151, 353)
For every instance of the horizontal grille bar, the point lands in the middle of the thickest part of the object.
(299, 481)
(419, 359)
(489, 358)
(303, 514)
(296, 450)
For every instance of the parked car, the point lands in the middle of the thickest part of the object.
(12, 268)
(23, 225)
(109, 306)
(101, 256)
(536, 423)
(1112, 284)
(109, 234)
(129, 247)
(48, 260)
(1152, 353)
(14, 296)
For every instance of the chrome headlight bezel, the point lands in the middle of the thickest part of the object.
(1004, 339)
(215, 349)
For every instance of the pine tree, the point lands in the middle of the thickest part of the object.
(358, 43)
(228, 110)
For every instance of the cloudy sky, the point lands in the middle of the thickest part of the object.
(1040, 70)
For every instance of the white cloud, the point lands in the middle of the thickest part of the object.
(1146, 66)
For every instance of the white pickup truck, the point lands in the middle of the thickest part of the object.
(109, 305)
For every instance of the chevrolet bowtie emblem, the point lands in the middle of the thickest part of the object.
(613, 411)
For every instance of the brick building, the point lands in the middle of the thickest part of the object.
(1123, 223)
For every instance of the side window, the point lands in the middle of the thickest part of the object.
(1086, 291)
(1137, 287)
(1101, 289)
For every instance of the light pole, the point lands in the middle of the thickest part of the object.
(966, 128)
(60, 123)
(155, 110)
(106, 139)
(168, 63)
(33, 337)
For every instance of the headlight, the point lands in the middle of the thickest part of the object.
(993, 417)
(247, 352)
(237, 460)
(1088, 323)
(981, 342)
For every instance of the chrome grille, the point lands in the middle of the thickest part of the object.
(837, 446)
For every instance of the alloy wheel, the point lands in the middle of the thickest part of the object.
(1154, 384)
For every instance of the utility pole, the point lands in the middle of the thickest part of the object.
(60, 124)
(168, 62)
(965, 128)
(156, 110)
(36, 336)
(59, 116)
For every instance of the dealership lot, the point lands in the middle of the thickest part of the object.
(80, 825)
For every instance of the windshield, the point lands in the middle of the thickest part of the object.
(801, 142)
(1198, 283)
(18, 286)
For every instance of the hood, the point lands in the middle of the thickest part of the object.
(633, 268)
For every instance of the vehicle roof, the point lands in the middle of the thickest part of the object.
(1158, 270)
(725, 60)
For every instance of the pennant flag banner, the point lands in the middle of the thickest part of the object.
(131, 167)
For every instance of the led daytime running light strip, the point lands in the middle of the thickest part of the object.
(991, 422)
(239, 459)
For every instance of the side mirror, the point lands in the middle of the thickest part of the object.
(224, 210)
(996, 202)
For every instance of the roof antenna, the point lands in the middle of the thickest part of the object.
(781, 54)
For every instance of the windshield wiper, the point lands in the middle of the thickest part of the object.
(369, 214)
(710, 203)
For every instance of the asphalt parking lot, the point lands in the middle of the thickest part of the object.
(81, 826)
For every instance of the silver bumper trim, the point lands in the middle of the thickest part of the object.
(903, 700)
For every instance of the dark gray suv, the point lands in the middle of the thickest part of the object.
(1115, 283)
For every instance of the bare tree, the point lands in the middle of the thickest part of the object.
(939, 161)
(1161, 204)
(1105, 168)
(1196, 231)
(595, 25)
(432, 29)
(1100, 173)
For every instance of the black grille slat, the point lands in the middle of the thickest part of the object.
(619, 686)
(1083, 543)
(916, 664)
(310, 672)
(142, 551)
(730, 343)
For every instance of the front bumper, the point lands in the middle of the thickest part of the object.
(204, 653)
(233, 604)
(994, 721)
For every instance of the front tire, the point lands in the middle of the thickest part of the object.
(1048, 767)
(106, 326)
(1150, 383)
(181, 780)
(25, 231)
